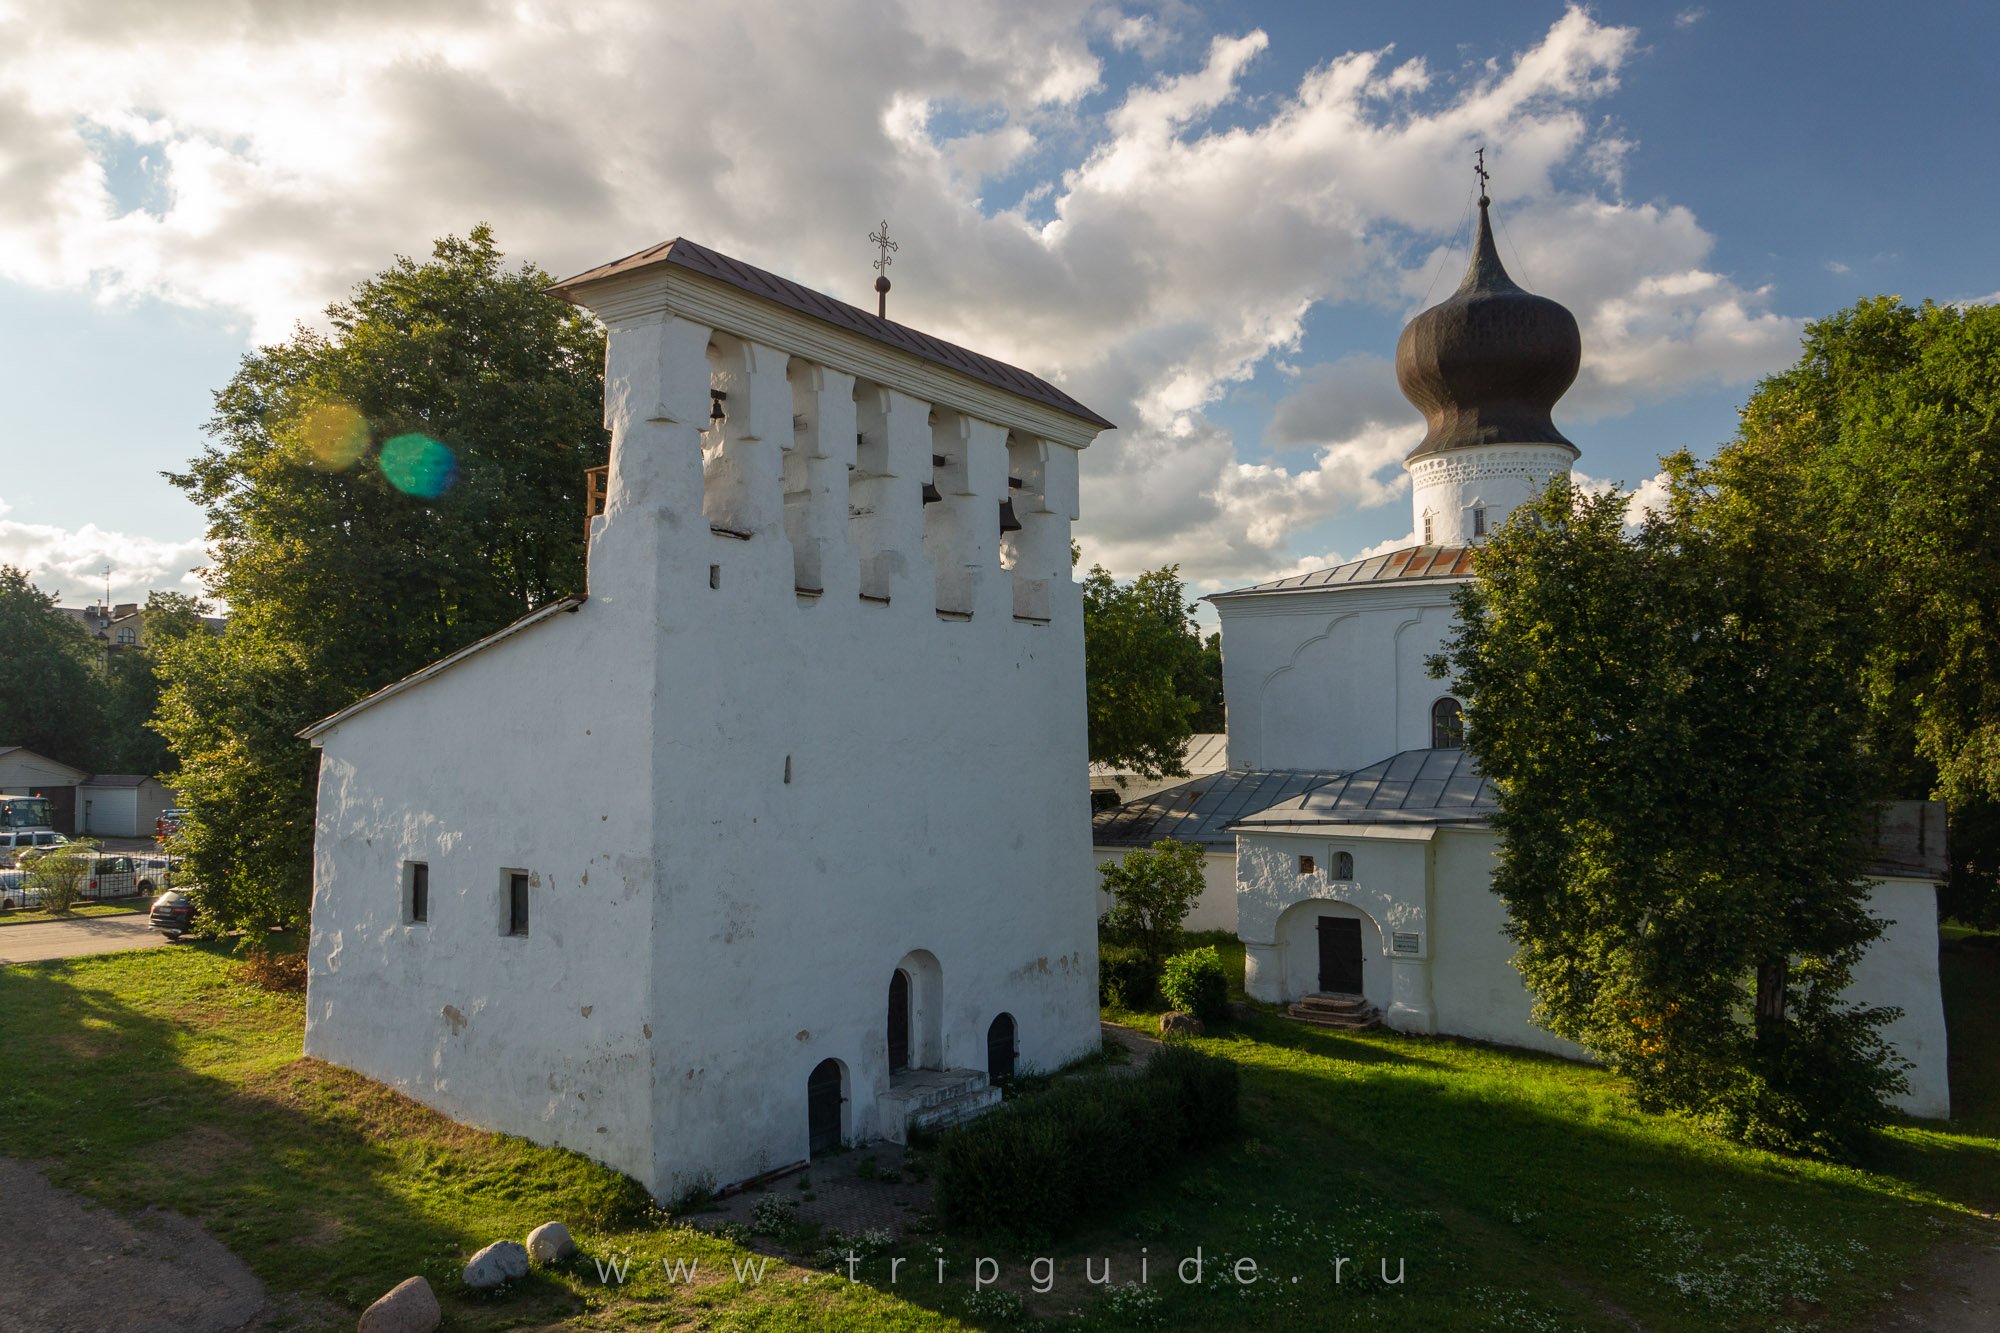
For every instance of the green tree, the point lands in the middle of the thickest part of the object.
(1884, 442)
(1149, 677)
(133, 744)
(52, 689)
(378, 497)
(1152, 891)
(1676, 732)
(58, 875)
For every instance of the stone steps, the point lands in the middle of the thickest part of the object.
(933, 1099)
(1350, 1012)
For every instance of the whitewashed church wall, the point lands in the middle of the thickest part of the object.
(499, 765)
(1331, 680)
(1277, 907)
(1214, 910)
(1900, 969)
(1448, 488)
(741, 805)
(1477, 989)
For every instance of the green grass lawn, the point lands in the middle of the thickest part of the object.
(24, 916)
(1510, 1190)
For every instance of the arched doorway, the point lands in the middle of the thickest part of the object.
(823, 1099)
(1000, 1048)
(899, 1021)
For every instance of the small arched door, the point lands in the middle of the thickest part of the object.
(1000, 1048)
(823, 1107)
(899, 1021)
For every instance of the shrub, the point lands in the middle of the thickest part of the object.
(1126, 977)
(1153, 889)
(59, 876)
(1031, 1168)
(270, 968)
(1196, 982)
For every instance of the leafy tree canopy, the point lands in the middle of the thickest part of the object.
(1152, 681)
(1883, 443)
(378, 497)
(1676, 732)
(51, 682)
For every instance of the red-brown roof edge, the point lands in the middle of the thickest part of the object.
(760, 282)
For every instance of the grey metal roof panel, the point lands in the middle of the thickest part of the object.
(684, 253)
(1201, 809)
(1415, 786)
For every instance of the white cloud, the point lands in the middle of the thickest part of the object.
(1159, 254)
(70, 566)
(1649, 496)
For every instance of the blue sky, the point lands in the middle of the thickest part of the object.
(1208, 221)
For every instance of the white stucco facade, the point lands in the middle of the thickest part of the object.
(804, 731)
(1459, 496)
(1331, 679)
(1454, 974)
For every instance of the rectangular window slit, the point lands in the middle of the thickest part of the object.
(420, 891)
(517, 904)
(715, 576)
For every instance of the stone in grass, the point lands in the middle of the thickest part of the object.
(1242, 1010)
(550, 1243)
(1177, 1024)
(410, 1307)
(499, 1262)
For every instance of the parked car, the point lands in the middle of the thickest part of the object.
(170, 821)
(111, 877)
(156, 872)
(15, 842)
(173, 914)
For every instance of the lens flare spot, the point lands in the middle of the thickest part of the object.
(337, 436)
(419, 465)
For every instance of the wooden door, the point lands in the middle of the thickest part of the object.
(1339, 955)
(899, 1022)
(823, 1107)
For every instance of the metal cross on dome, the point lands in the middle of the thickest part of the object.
(1479, 170)
(887, 247)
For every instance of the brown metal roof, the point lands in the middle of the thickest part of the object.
(1411, 563)
(760, 282)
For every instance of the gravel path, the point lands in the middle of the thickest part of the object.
(88, 1270)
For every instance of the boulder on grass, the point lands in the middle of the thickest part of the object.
(1242, 1010)
(502, 1261)
(410, 1307)
(550, 1243)
(1178, 1024)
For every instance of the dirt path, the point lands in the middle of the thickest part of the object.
(1959, 1292)
(71, 939)
(89, 1270)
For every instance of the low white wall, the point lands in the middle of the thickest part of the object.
(1901, 970)
(1216, 908)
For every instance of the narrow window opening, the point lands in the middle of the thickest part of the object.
(1305, 865)
(788, 768)
(715, 576)
(1343, 865)
(517, 903)
(1427, 529)
(420, 891)
(1447, 725)
(1479, 521)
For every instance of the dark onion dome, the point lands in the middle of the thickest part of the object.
(1486, 365)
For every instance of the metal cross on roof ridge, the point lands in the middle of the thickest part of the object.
(887, 246)
(1478, 169)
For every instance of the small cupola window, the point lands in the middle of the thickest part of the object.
(1479, 520)
(1447, 725)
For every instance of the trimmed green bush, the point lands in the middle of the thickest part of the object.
(1126, 977)
(1196, 982)
(1031, 1168)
